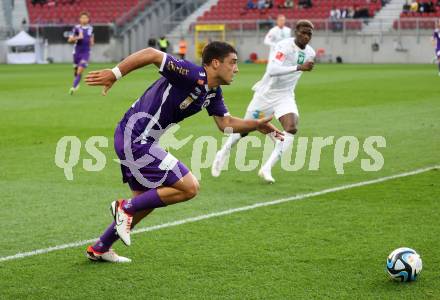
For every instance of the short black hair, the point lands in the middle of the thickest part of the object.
(216, 50)
(84, 13)
(304, 23)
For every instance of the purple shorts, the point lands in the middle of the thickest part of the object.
(149, 166)
(437, 52)
(81, 59)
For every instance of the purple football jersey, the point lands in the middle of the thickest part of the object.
(83, 45)
(436, 37)
(181, 92)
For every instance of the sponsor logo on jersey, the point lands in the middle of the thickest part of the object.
(280, 56)
(168, 163)
(206, 103)
(187, 102)
(258, 114)
(210, 96)
(301, 58)
(171, 66)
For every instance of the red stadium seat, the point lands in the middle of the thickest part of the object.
(414, 20)
(236, 10)
(101, 11)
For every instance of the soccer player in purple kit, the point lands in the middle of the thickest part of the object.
(436, 42)
(156, 178)
(83, 39)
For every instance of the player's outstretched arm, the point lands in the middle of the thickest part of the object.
(108, 77)
(244, 126)
(279, 70)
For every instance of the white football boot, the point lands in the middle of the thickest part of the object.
(217, 165)
(123, 221)
(266, 175)
(109, 256)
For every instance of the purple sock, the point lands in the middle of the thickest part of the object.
(107, 239)
(147, 200)
(77, 80)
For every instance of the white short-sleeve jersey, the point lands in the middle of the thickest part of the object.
(287, 54)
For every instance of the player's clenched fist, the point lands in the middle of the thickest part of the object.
(104, 78)
(307, 66)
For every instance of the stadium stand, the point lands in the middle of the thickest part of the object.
(233, 10)
(423, 17)
(101, 11)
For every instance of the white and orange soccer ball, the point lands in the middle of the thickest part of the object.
(404, 264)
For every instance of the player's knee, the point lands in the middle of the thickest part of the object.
(192, 189)
(191, 192)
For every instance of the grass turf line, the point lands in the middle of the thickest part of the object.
(223, 213)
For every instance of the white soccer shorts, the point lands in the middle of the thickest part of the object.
(279, 106)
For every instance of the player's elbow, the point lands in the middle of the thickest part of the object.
(223, 123)
(221, 127)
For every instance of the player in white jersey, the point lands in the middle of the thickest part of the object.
(277, 34)
(273, 95)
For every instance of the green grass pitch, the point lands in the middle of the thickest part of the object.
(329, 246)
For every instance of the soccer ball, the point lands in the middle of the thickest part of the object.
(404, 264)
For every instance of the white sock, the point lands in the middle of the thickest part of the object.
(280, 147)
(230, 142)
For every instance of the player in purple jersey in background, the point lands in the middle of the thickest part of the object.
(155, 177)
(436, 42)
(83, 39)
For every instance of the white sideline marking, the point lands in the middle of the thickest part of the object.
(226, 212)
